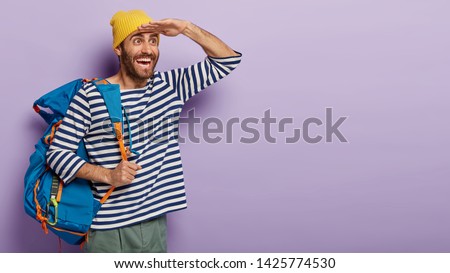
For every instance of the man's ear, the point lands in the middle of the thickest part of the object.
(118, 50)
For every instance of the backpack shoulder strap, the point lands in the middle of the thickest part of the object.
(111, 95)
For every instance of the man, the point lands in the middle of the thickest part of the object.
(150, 183)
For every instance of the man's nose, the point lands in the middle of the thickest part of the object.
(146, 48)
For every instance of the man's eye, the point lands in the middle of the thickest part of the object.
(137, 41)
(153, 41)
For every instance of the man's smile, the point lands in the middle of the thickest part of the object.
(144, 62)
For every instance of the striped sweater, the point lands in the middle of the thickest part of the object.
(153, 112)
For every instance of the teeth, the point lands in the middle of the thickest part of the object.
(144, 60)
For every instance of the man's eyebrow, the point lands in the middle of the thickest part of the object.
(137, 35)
(140, 35)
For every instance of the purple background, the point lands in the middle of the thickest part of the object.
(383, 64)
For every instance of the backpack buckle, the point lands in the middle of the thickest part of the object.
(54, 204)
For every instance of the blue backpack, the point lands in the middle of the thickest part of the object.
(66, 209)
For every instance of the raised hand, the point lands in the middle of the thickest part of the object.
(166, 27)
(212, 45)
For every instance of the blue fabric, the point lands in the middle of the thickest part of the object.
(111, 96)
(77, 207)
(129, 134)
(58, 100)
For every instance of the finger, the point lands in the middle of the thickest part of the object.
(147, 25)
(157, 22)
(152, 30)
(147, 29)
(128, 178)
(124, 180)
(153, 24)
(131, 172)
(121, 164)
(134, 166)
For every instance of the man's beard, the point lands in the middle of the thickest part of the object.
(130, 69)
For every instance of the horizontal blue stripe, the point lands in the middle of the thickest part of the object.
(69, 119)
(143, 207)
(93, 156)
(220, 68)
(56, 164)
(79, 104)
(160, 177)
(101, 111)
(70, 134)
(110, 145)
(141, 104)
(133, 93)
(154, 169)
(229, 64)
(57, 145)
(73, 145)
(174, 204)
(74, 127)
(69, 166)
(164, 137)
(144, 195)
(129, 99)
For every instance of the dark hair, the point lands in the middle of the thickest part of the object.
(122, 47)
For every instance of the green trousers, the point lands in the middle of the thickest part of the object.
(147, 237)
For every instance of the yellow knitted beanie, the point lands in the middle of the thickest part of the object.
(126, 22)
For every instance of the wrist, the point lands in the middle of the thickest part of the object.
(107, 174)
(188, 28)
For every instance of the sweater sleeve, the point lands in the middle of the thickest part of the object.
(195, 78)
(61, 156)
